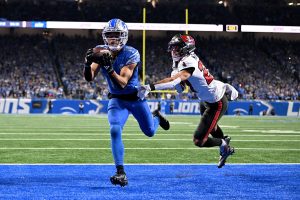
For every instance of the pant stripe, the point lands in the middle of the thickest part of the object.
(214, 122)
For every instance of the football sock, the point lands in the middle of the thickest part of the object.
(212, 142)
(117, 144)
(223, 143)
(217, 133)
(120, 169)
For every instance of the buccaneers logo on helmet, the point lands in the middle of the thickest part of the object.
(181, 45)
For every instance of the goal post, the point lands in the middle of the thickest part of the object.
(144, 54)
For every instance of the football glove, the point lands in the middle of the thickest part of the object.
(105, 62)
(89, 57)
(143, 91)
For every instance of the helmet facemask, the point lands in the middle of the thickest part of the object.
(115, 34)
(180, 46)
(176, 53)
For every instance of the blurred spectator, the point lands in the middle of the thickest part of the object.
(81, 108)
(32, 67)
(26, 68)
(255, 12)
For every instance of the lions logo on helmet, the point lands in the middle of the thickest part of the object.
(115, 34)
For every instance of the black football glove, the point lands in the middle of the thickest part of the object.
(90, 57)
(106, 63)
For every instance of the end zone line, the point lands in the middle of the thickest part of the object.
(146, 148)
(133, 164)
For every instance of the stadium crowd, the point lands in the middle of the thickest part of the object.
(27, 69)
(36, 67)
(275, 12)
(51, 67)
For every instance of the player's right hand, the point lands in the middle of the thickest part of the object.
(89, 56)
(143, 91)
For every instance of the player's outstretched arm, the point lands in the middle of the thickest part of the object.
(171, 82)
(167, 83)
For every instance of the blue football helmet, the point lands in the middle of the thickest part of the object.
(115, 34)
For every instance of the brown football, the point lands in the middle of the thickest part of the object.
(100, 51)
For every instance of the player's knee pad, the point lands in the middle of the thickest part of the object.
(115, 130)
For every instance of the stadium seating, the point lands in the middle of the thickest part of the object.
(258, 68)
(36, 66)
(200, 12)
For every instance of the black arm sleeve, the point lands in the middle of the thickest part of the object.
(87, 71)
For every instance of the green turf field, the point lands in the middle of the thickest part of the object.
(86, 139)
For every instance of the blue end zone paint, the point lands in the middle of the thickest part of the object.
(151, 182)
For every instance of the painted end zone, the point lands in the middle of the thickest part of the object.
(151, 182)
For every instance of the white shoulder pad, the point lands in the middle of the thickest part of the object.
(174, 72)
(187, 62)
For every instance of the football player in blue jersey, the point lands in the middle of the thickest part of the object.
(120, 68)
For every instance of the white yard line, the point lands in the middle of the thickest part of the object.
(132, 139)
(271, 131)
(141, 134)
(146, 148)
(139, 164)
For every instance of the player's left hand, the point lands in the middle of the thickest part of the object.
(143, 91)
(106, 63)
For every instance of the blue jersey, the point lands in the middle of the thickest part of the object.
(126, 56)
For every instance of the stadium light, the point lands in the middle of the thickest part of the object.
(220, 2)
(291, 3)
(153, 2)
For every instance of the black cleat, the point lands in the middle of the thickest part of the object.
(119, 179)
(163, 122)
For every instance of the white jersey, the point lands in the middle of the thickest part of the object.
(201, 81)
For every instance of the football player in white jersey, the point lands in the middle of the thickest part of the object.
(189, 70)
